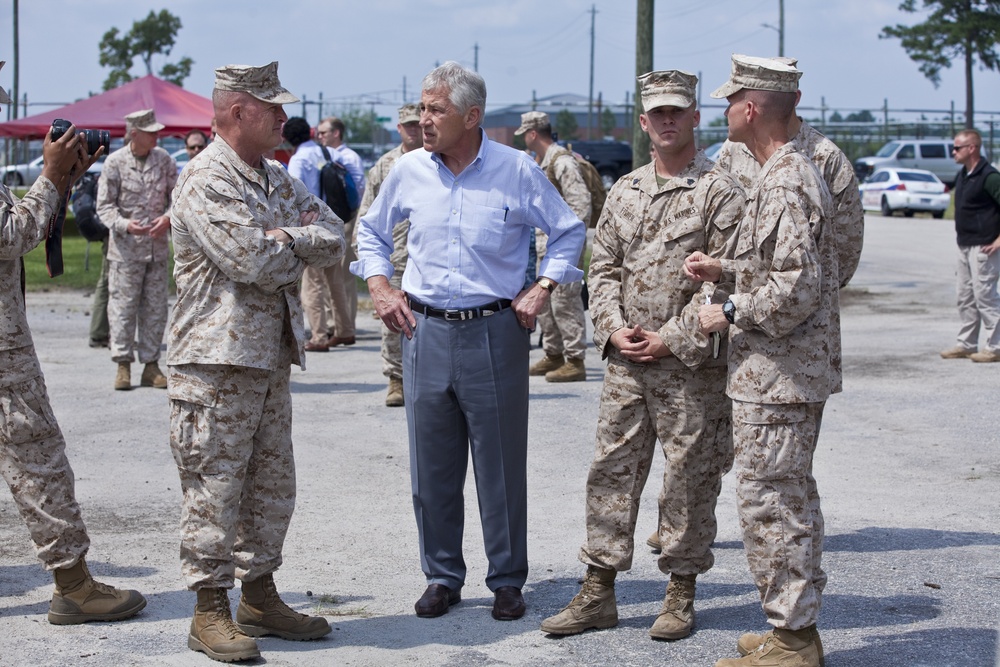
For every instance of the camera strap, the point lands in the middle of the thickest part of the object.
(53, 239)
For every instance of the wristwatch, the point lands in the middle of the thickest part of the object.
(729, 310)
(547, 283)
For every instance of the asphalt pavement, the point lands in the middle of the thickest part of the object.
(907, 468)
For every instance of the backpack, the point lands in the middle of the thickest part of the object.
(592, 179)
(338, 188)
(83, 201)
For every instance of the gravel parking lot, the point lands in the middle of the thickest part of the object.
(907, 467)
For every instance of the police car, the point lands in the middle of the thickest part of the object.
(908, 190)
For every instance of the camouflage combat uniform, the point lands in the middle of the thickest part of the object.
(784, 362)
(32, 449)
(838, 173)
(392, 349)
(235, 330)
(563, 321)
(131, 188)
(636, 276)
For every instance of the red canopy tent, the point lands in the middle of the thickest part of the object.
(175, 107)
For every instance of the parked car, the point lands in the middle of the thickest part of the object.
(612, 159)
(22, 175)
(712, 151)
(932, 155)
(906, 190)
(181, 157)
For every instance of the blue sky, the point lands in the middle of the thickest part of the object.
(366, 50)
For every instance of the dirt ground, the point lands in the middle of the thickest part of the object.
(907, 468)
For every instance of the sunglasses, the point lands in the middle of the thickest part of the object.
(196, 147)
(956, 147)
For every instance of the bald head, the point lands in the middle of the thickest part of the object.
(773, 105)
(222, 103)
(249, 125)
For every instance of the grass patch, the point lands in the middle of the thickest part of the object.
(78, 272)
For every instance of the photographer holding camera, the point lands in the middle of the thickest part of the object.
(133, 198)
(32, 449)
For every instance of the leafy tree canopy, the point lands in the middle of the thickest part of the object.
(566, 125)
(151, 36)
(963, 30)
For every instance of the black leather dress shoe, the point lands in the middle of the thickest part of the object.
(509, 604)
(436, 600)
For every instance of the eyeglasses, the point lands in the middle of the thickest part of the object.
(196, 147)
(956, 147)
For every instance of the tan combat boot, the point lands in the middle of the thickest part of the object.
(78, 598)
(572, 371)
(676, 617)
(261, 612)
(593, 607)
(653, 541)
(213, 631)
(152, 376)
(546, 364)
(123, 379)
(749, 641)
(781, 648)
(394, 396)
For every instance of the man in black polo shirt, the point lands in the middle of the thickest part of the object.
(977, 223)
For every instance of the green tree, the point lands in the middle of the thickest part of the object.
(608, 122)
(566, 125)
(360, 123)
(151, 36)
(835, 117)
(864, 116)
(965, 30)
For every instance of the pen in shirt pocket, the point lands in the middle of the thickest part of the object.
(506, 210)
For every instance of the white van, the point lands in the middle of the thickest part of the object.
(933, 155)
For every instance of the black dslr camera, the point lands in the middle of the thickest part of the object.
(94, 138)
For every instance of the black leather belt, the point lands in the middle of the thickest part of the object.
(460, 315)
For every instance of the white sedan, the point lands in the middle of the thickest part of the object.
(907, 190)
(22, 175)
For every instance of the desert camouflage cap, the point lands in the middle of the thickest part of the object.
(409, 113)
(259, 82)
(532, 121)
(4, 97)
(668, 88)
(144, 121)
(752, 73)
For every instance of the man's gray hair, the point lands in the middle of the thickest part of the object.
(466, 89)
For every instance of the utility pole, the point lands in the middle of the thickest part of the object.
(17, 64)
(475, 61)
(643, 64)
(590, 99)
(781, 28)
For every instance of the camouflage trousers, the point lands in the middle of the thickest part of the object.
(689, 413)
(779, 507)
(34, 464)
(137, 309)
(392, 341)
(230, 434)
(564, 323)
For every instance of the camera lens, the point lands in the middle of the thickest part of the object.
(96, 139)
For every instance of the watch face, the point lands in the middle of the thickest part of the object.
(729, 309)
